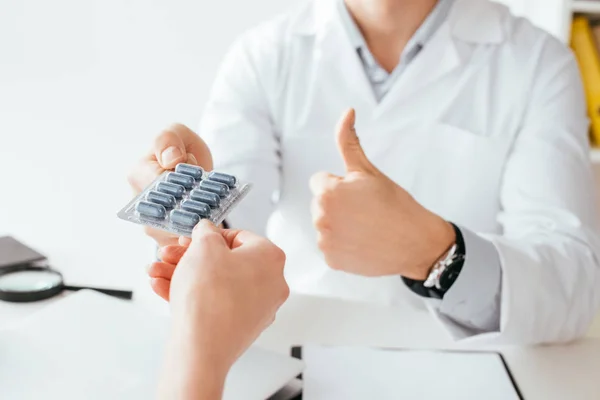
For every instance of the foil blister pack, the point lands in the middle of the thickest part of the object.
(177, 200)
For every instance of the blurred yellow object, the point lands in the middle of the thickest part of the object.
(584, 46)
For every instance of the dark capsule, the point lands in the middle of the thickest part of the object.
(215, 187)
(190, 170)
(209, 198)
(163, 199)
(151, 209)
(220, 177)
(180, 179)
(202, 209)
(173, 189)
(184, 218)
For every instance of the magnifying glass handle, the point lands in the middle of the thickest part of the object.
(121, 294)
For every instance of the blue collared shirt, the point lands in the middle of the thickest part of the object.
(380, 79)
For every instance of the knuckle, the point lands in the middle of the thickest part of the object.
(165, 133)
(171, 133)
(166, 136)
(150, 269)
(321, 223)
(329, 196)
(274, 260)
(334, 265)
(278, 255)
(285, 292)
(326, 198)
(209, 238)
(335, 185)
(324, 243)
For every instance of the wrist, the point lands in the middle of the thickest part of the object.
(195, 324)
(193, 367)
(440, 238)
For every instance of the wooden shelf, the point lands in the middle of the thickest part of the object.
(586, 6)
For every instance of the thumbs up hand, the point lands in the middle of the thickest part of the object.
(368, 225)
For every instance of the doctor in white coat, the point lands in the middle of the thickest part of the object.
(473, 150)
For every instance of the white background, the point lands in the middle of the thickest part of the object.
(85, 85)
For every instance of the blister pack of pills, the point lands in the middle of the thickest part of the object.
(176, 201)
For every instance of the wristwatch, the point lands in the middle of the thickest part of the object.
(443, 273)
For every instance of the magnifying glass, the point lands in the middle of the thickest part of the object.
(39, 283)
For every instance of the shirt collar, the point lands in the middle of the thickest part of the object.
(433, 21)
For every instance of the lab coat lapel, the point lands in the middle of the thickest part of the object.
(341, 64)
(469, 22)
(438, 58)
(338, 77)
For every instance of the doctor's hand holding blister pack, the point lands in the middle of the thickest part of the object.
(176, 145)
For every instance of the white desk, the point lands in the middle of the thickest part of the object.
(545, 373)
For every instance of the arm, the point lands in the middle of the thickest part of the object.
(472, 304)
(191, 372)
(224, 289)
(548, 252)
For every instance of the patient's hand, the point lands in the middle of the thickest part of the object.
(224, 290)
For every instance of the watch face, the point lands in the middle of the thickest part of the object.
(450, 275)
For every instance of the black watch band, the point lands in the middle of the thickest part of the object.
(447, 278)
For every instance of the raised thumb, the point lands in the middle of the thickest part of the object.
(349, 146)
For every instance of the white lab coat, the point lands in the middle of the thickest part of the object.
(486, 127)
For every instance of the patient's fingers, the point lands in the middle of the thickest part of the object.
(185, 241)
(161, 270)
(161, 287)
(171, 254)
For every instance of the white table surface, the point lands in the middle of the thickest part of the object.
(548, 373)
(544, 373)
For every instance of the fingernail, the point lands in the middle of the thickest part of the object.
(170, 155)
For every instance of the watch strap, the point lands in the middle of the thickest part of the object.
(447, 278)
